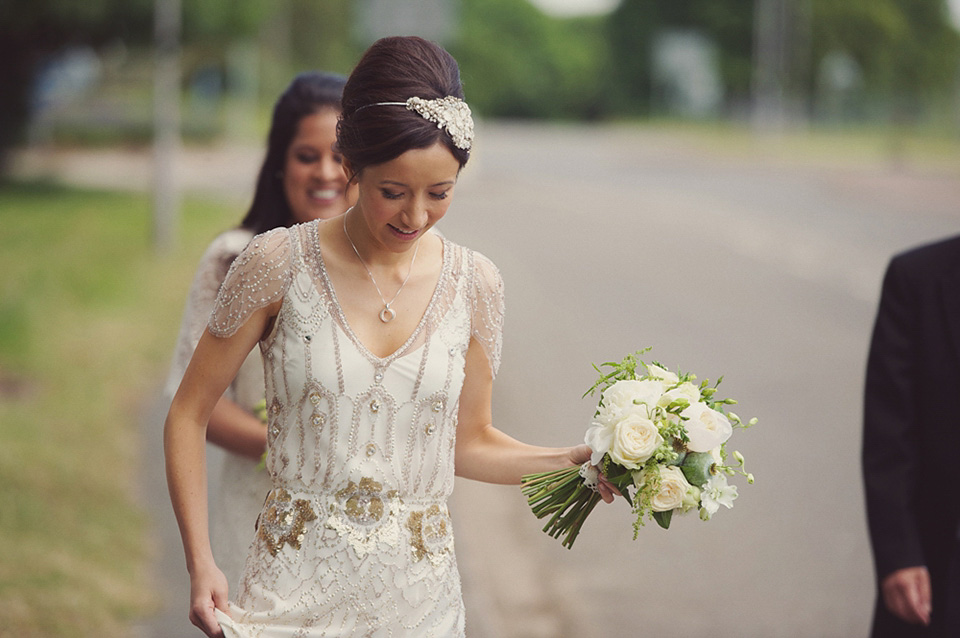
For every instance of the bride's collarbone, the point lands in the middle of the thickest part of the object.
(381, 338)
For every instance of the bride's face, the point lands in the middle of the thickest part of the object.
(402, 199)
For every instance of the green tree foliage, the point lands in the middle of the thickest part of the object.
(634, 25)
(302, 35)
(518, 62)
(33, 30)
(906, 49)
(320, 34)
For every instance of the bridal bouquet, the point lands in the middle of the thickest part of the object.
(659, 438)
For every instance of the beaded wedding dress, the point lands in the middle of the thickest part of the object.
(354, 538)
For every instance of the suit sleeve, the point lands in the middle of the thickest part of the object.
(890, 438)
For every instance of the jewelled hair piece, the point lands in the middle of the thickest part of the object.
(449, 113)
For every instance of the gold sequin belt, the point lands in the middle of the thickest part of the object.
(364, 513)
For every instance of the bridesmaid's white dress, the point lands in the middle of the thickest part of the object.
(242, 486)
(355, 538)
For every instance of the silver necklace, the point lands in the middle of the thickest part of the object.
(387, 314)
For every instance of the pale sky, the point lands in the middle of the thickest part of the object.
(575, 7)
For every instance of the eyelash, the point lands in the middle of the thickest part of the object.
(390, 195)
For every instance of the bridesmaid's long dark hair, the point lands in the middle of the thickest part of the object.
(307, 94)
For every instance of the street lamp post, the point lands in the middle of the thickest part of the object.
(166, 122)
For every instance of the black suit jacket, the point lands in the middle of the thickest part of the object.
(911, 437)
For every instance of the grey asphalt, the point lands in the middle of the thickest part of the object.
(757, 266)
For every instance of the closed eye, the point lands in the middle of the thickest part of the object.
(440, 196)
(388, 194)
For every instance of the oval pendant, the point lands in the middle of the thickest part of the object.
(387, 314)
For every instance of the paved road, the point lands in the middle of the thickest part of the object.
(762, 271)
(758, 269)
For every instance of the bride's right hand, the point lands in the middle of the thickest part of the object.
(208, 591)
(579, 455)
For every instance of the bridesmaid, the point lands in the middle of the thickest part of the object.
(301, 179)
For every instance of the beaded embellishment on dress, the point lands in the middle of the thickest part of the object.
(355, 538)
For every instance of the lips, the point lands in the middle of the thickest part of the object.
(404, 234)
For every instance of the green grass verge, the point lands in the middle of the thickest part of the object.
(88, 318)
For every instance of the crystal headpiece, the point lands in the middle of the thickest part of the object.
(449, 113)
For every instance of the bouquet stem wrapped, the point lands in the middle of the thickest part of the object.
(658, 438)
(566, 497)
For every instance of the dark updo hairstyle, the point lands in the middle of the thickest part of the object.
(392, 70)
(309, 93)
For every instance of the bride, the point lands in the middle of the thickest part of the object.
(380, 343)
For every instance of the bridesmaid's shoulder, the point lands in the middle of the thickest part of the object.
(229, 243)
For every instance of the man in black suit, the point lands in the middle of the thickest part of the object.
(911, 444)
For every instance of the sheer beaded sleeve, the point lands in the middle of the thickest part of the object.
(203, 293)
(488, 302)
(258, 277)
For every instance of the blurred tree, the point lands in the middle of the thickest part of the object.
(32, 31)
(321, 36)
(907, 50)
(634, 25)
(518, 62)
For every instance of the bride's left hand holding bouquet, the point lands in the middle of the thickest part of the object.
(657, 437)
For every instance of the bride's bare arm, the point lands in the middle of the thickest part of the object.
(484, 453)
(213, 366)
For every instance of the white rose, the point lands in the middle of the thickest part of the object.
(657, 372)
(599, 437)
(628, 397)
(685, 390)
(635, 439)
(673, 490)
(706, 427)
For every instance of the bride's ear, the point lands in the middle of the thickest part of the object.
(352, 177)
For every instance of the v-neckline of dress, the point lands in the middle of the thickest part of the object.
(348, 329)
